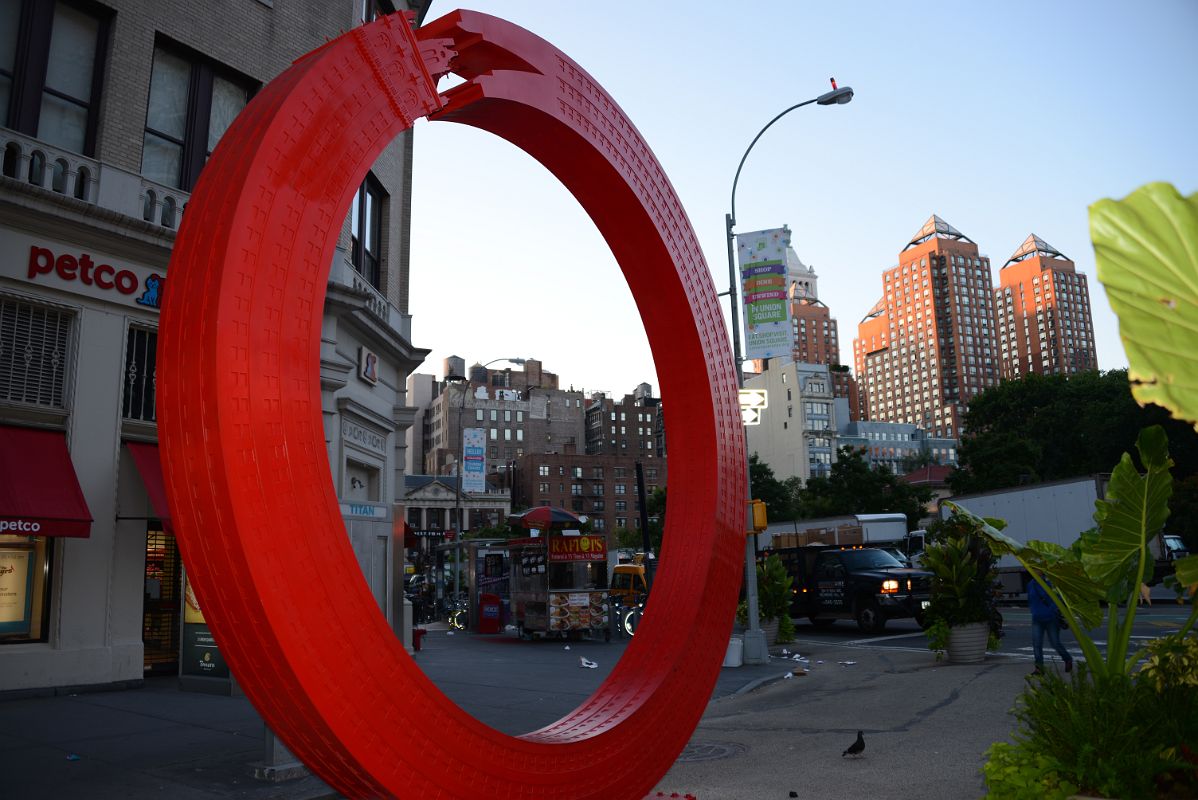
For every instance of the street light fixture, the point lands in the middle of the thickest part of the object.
(756, 650)
(461, 459)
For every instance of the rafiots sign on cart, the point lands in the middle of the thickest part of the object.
(559, 581)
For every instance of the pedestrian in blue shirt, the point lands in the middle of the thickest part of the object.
(1045, 619)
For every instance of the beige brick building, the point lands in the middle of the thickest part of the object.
(109, 110)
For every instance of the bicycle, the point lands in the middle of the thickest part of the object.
(458, 615)
(630, 620)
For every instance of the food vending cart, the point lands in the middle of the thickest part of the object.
(559, 584)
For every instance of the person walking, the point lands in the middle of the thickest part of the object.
(1045, 619)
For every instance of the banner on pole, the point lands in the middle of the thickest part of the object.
(764, 305)
(474, 460)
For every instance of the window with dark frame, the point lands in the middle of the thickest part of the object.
(370, 10)
(366, 223)
(140, 375)
(51, 70)
(35, 353)
(193, 101)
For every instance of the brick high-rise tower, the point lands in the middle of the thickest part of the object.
(1043, 313)
(928, 345)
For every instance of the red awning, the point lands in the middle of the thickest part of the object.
(145, 456)
(39, 491)
(409, 536)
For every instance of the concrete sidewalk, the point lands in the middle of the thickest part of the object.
(159, 742)
(926, 725)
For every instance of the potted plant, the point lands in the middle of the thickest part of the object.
(773, 602)
(960, 616)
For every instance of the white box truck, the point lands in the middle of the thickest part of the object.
(871, 530)
(1057, 512)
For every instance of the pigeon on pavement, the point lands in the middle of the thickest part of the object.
(857, 747)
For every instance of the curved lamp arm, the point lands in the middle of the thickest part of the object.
(834, 97)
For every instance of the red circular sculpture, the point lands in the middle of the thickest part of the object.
(244, 451)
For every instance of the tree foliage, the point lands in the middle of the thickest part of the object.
(853, 487)
(655, 506)
(1052, 427)
(779, 496)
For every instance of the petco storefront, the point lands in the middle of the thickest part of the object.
(92, 586)
(89, 576)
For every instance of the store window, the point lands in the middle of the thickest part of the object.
(366, 224)
(193, 101)
(140, 374)
(51, 71)
(160, 602)
(362, 482)
(25, 570)
(35, 351)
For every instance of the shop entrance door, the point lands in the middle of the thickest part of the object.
(160, 609)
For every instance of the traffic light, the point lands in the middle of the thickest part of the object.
(757, 516)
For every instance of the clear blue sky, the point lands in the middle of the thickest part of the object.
(1002, 118)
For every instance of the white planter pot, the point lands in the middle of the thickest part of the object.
(967, 643)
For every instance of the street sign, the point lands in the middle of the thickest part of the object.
(750, 416)
(754, 398)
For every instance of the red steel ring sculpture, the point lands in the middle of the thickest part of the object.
(243, 445)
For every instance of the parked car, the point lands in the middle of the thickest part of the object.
(865, 584)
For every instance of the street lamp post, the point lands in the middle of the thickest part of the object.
(756, 650)
(461, 458)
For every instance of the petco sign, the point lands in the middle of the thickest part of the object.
(79, 270)
(19, 526)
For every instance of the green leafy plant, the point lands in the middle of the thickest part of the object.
(1109, 564)
(962, 583)
(773, 588)
(937, 632)
(1012, 773)
(773, 595)
(1111, 730)
(786, 629)
(1172, 664)
(1111, 735)
(1146, 250)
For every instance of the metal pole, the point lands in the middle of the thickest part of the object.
(457, 547)
(644, 518)
(756, 649)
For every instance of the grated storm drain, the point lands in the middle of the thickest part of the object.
(710, 751)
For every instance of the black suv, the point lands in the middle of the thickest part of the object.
(865, 584)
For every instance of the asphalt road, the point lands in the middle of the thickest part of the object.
(1151, 622)
(927, 724)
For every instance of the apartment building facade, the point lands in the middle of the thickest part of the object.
(797, 435)
(534, 418)
(630, 427)
(601, 487)
(108, 112)
(895, 445)
(1042, 313)
(928, 346)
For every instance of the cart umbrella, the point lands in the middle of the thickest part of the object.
(545, 517)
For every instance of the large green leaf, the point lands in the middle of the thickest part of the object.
(1133, 511)
(1146, 248)
(1187, 570)
(1058, 564)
